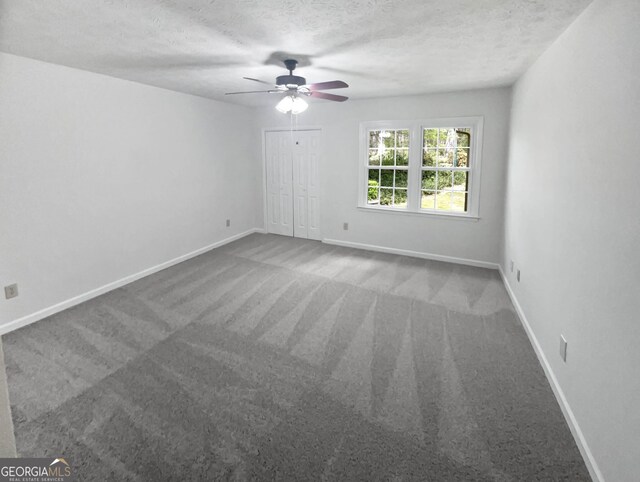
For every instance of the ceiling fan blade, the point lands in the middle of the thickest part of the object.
(258, 80)
(334, 84)
(324, 95)
(256, 92)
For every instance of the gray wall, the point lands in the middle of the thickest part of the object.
(458, 238)
(573, 225)
(102, 178)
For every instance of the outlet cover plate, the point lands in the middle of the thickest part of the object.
(563, 348)
(11, 291)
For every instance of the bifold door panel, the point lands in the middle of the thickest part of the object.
(293, 190)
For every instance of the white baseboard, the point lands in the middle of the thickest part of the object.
(589, 460)
(76, 300)
(414, 254)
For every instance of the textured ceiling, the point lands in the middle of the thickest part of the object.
(205, 47)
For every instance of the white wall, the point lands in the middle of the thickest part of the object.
(102, 178)
(573, 223)
(475, 240)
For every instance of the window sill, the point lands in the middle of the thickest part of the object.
(404, 212)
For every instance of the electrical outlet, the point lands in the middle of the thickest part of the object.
(11, 291)
(518, 276)
(512, 266)
(228, 222)
(345, 226)
(563, 348)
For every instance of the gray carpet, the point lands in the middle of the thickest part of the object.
(275, 358)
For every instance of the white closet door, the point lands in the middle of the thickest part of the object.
(279, 183)
(309, 147)
(293, 185)
(300, 180)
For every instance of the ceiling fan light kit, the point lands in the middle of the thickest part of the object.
(294, 86)
(293, 104)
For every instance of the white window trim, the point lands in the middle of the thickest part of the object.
(415, 127)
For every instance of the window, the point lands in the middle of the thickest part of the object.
(429, 167)
(445, 169)
(388, 166)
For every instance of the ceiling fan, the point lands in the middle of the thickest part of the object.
(294, 87)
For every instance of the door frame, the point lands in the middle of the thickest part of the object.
(265, 130)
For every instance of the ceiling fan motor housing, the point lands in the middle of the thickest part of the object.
(290, 80)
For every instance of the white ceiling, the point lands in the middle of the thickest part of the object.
(205, 47)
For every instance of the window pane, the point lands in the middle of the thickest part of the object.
(443, 203)
(374, 139)
(464, 137)
(451, 201)
(372, 188)
(400, 198)
(461, 157)
(444, 180)
(372, 194)
(459, 201)
(460, 181)
(430, 138)
(387, 157)
(374, 157)
(401, 178)
(429, 180)
(386, 178)
(402, 138)
(445, 137)
(389, 138)
(428, 200)
(402, 157)
(429, 157)
(386, 197)
(445, 157)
